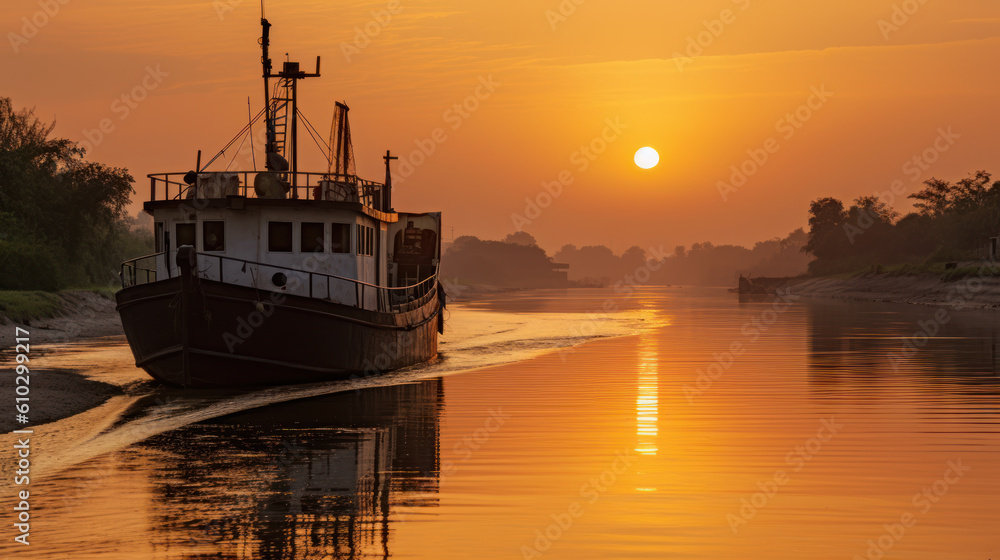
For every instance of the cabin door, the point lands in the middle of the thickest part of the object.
(416, 247)
(379, 258)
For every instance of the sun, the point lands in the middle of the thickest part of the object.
(647, 158)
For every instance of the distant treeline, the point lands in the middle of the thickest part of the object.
(706, 264)
(515, 262)
(952, 222)
(63, 220)
(518, 262)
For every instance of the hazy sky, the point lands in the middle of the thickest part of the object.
(702, 82)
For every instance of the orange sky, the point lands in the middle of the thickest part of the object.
(560, 80)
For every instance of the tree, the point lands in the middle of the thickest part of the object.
(872, 218)
(62, 218)
(826, 236)
(632, 259)
(499, 263)
(933, 199)
(462, 240)
(565, 253)
(971, 192)
(875, 208)
(521, 238)
(795, 240)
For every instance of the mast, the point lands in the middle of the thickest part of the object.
(265, 42)
(291, 74)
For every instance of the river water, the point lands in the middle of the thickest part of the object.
(667, 423)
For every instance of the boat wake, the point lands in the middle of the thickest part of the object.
(475, 339)
(493, 338)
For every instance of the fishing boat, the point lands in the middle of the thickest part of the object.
(279, 275)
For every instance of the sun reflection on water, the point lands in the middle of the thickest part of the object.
(647, 404)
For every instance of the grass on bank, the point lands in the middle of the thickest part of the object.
(105, 291)
(936, 268)
(23, 306)
(968, 271)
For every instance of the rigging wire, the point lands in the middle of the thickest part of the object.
(253, 155)
(239, 134)
(310, 129)
(238, 152)
(309, 125)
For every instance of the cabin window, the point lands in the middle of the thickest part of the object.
(366, 241)
(185, 234)
(311, 240)
(213, 235)
(279, 237)
(158, 237)
(340, 238)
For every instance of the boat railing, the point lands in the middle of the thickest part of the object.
(302, 185)
(140, 270)
(329, 287)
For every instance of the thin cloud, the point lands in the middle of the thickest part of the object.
(976, 20)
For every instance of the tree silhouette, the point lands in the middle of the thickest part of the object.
(62, 218)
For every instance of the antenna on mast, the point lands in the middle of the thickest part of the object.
(387, 201)
(288, 79)
(265, 59)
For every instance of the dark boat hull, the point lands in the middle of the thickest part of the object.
(213, 334)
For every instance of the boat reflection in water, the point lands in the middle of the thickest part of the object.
(305, 479)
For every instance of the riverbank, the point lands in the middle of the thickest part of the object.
(52, 318)
(970, 292)
(57, 317)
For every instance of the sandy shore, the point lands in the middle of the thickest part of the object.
(920, 289)
(57, 393)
